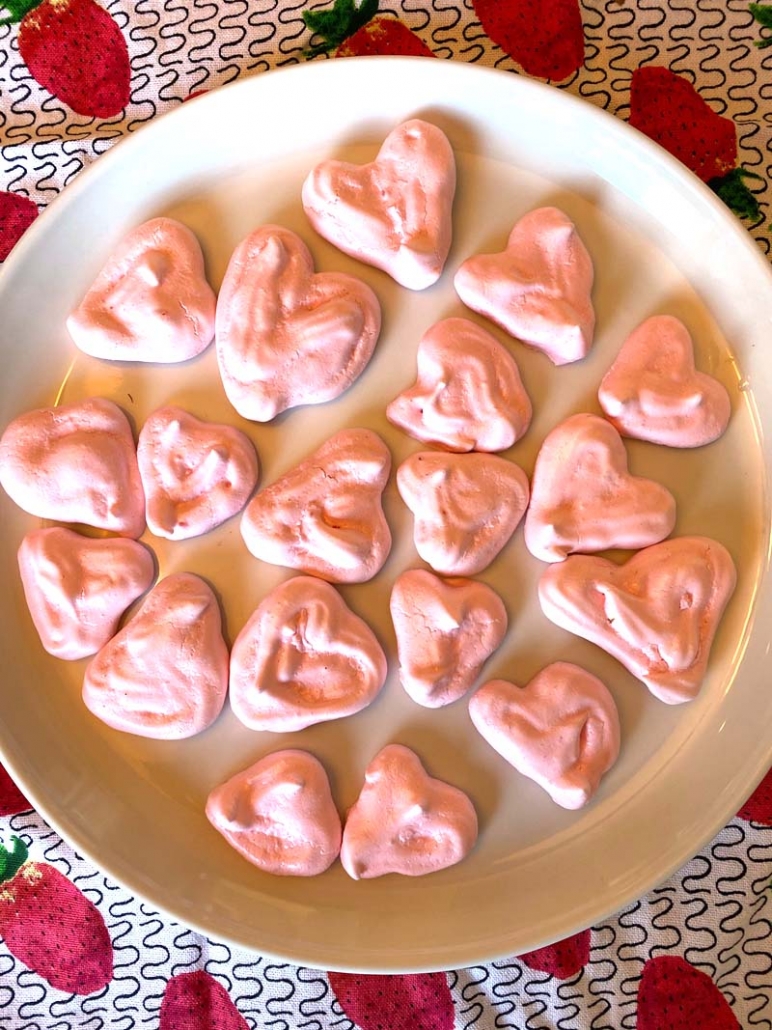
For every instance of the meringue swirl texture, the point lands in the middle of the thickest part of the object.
(279, 814)
(653, 391)
(561, 729)
(394, 213)
(446, 630)
(539, 288)
(657, 614)
(195, 474)
(325, 516)
(286, 335)
(405, 821)
(77, 588)
(75, 463)
(584, 499)
(165, 674)
(465, 507)
(303, 657)
(151, 301)
(468, 395)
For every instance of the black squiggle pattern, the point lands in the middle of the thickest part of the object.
(205, 26)
(470, 1007)
(44, 146)
(316, 991)
(188, 952)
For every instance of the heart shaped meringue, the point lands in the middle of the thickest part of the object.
(303, 657)
(165, 674)
(325, 515)
(654, 392)
(583, 497)
(285, 334)
(151, 301)
(539, 288)
(75, 463)
(195, 474)
(279, 814)
(657, 614)
(468, 395)
(405, 821)
(394, 213)
(465, 507)
(77, 588)
(446, 630)
(561, 729)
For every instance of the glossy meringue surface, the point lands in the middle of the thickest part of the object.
(151, 301)
(395, 212)
(657, 613)
(561, 729)
(405, 821)
(653, 391)
(468, 394)
(279, 814)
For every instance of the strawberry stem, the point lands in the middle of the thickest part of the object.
(17, 9)
(337, 23)
(763, 15)
(735, 194)
(12, 858)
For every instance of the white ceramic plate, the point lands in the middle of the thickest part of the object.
(661, 242)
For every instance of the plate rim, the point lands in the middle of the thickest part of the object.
(103, 166)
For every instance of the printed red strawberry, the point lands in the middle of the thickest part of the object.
(362, 32)
(563, 959)
(11, 798)
(196, 1001)
(546, 39)
(670, 111)
(673, 995)
(50, 925)
(16, 216)
(76, 51)
(758, 807)
(418, 1001)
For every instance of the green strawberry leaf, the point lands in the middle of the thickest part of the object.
(339, 22)
(763, 15)
(735, 194)
(12, 858)
(17, 9)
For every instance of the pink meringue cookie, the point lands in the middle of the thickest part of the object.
(165, 674)
(325, 515)
(539, 288)
(446, 630)
(405, 821)
(657, 614)
(302, 658)
(279, 814)
(394, 213)
(468, 395)
(465, 507)
(561, 729)
(78, 588)
(75, 463)
(195, 474)
(286, 335)
(584, 499)
(151, 301)
(653, 391)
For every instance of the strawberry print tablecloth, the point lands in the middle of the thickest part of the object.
(77, 950)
